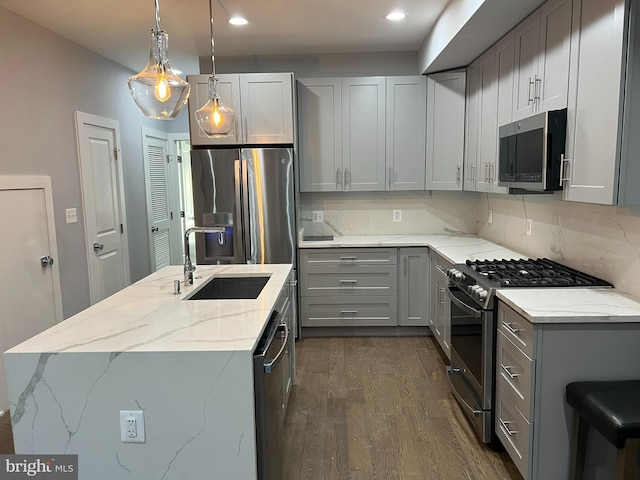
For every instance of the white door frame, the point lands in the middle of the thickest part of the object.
(44, 183)
(107, 123)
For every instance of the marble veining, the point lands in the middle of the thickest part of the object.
(572, 305)
(147, 316)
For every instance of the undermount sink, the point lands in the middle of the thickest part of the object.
(230, 288)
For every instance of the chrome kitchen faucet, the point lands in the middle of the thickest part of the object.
(189, 267)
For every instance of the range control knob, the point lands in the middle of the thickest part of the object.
(482, 294)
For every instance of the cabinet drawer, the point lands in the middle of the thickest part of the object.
(514, 371)
(348, 256)
(349, 312)
(516, 328)
(356, 280)
(514, 431)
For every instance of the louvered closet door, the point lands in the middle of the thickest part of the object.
(159, 204)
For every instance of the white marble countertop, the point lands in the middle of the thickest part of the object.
(572, 305)
(455, 248)
(148, 317)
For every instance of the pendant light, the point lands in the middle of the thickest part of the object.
(158, 92)
(214, 118)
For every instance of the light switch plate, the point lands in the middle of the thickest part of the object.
(490, 217)
(397, 215)
(529, 226)
(72, 215)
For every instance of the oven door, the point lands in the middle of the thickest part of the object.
(471, 372)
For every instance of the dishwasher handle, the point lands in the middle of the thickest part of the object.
(270, 365)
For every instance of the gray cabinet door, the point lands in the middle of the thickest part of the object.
(414, 287)
(356, 311)
(406, 131)
(363, 127)
(445, 130)
(320, 134)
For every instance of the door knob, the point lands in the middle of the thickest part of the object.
(154, 229)
(98, 246)
(46, 261)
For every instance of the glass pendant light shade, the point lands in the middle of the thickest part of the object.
(158, 92)
(214, 118)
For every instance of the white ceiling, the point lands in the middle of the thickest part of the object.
(119, 29)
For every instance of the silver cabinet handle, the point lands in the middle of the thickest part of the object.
(406, 265)
(531, 84)
(458, 170)
(350, 259)
(347, 179)
(473, 173)
(350, 312)
(505, 426)
(98, 246)
(538, 86)
(492, 168)
(390, 176)
(351, 282)
(246, 130)
(511, 328)
(564, 172)
(338, 179)
(507, 369)
(46, 261)
(486, 172)
(236, 129)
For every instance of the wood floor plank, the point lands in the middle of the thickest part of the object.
(388, 414)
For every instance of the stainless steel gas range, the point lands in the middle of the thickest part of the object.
(472, 288)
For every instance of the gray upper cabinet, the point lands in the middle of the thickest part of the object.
(320, 134)
(406, 132)
(542, 49)
(267, 107)
(263, 103)
(445, 130)
(596, 160)
(363, 133)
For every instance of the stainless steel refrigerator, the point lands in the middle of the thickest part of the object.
(249, 192)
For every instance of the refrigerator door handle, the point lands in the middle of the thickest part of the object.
(246, 231)
(238, 176)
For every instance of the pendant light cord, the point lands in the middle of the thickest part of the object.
(213, 62)
(157, 16)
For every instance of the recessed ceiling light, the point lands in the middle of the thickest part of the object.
(238, 21)
(396, 15)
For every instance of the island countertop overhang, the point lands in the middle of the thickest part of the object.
(148, 317)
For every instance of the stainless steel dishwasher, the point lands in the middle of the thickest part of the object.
(269, 397)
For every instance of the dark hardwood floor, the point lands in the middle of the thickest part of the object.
(6, 440)
(371, 408)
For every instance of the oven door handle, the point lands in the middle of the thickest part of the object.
(467, 308)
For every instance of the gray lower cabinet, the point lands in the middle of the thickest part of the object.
(349, 287)
(413, 296)
(287, 296)
(440, 306)
(534, 363)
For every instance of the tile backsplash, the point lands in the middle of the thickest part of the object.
(371, 213)
(600, 240)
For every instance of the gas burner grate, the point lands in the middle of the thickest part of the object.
(540, 272)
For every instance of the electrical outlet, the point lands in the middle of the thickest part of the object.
(132, 426)
(72, 215)
(490, 217)
(397, 215)
(529, 226)
(318, 216)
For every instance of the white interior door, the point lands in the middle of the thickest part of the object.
(30, 301)
(103, 204)
(163, 216)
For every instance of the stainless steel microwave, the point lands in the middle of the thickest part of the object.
(531, 152)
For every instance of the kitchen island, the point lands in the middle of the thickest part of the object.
(188, 365)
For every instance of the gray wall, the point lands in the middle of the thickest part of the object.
(46, 78)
